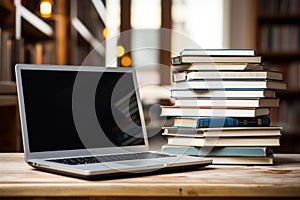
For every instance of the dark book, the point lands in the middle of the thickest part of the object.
(208, 122)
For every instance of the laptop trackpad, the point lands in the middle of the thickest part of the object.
(142, 163)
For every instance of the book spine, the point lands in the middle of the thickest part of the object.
(176, 60)
(232, 122)
(234, 75)
(225, 151)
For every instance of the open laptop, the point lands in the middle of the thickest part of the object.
(87, 122)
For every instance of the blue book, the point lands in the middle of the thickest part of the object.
(202, 122)
(225, 151)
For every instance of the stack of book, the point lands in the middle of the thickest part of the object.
(222, 105)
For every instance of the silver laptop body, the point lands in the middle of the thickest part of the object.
(86, 112)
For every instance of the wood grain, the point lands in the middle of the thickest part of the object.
(17, 179)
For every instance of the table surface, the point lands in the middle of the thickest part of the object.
(17, 179)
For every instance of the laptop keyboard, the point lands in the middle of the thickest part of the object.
(110, 158)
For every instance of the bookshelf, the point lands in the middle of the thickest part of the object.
(10, 137)
(32, 47)
(65, 45)
(9, 118)
(278, 42)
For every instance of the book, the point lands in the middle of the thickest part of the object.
(231, 84)
(224, 141)
(181, 76)
(6, 55)
(218, 151)
(242, 160)
(214, 59)
(208, 122)
(216, 66)
(189, 93)
(195, 75)
(257, 102)
(213, 112)
(219, 52)
(274, 131)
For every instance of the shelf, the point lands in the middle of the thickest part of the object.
(288, 94)
(10, 130)
(291, 134)
(7, 13)
(278, 19)
(289, 143)
(277, 40)
(8, 87)
(8, 100)
(7, 22)
(279, 56)
(34, 35)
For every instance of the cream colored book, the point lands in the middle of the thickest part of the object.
(224, 141)
(195, 75)
(268, 131)
(214, 59)
(258, 102)
(234, 75)
(213, 112)
(222, 93)
(217, 66)
(231, 84)
(242, 160)
(218, 52)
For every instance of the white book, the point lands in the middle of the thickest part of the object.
(232, 75)
(231, 84)
(224, 142)
(219, 52)
(259, 102)
(181, 76)
(241, 160)
(267, 131)
(222, 93)
(214, 59)
(203, 75)
(216, 66)
(213, 112)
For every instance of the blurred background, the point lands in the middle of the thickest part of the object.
(145, 35)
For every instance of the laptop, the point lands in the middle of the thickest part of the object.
(87, 122)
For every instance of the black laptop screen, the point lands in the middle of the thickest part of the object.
(68, 110)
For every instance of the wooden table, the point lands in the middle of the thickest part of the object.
(17, 180)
